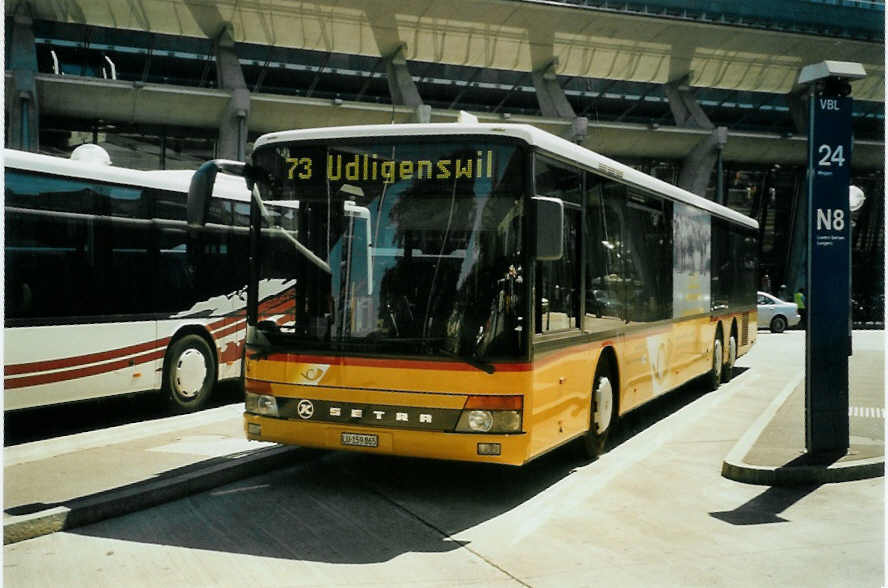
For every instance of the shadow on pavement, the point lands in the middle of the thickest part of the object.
(357, 508)
(765, 508)
(341, 508)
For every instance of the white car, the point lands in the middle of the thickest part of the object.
(776, 314)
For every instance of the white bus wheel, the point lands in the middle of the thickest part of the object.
(189, 373)
(713, 378)
(728, 368)
(605, 397)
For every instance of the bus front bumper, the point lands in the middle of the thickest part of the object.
(493, 448)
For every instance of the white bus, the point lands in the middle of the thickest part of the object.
(102, 296)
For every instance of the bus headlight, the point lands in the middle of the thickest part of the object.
(480, 420)
(491, 414)
(261, 404)
(507, 421)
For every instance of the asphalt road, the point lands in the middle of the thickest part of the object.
(653, 511)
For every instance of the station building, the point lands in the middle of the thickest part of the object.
(701, 94)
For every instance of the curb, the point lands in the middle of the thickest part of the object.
(735, 468)
(140, 495)
(804, 474)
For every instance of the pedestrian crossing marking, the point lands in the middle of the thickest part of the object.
(866, 412)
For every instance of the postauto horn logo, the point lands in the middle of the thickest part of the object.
(312, 374)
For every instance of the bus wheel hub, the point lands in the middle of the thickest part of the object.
(604, 402)
(191, 371)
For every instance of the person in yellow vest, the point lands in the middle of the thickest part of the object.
(799, 299)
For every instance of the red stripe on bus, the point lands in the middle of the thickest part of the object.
(228, 325)
(67, 362)
(93, 370)
(395, 363)
(278, 307)
(224, 322)
(234, 328)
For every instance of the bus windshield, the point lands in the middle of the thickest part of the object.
(413, 248)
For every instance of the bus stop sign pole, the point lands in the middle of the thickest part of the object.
(829, 272)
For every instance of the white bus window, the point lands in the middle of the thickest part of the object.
(26, 190)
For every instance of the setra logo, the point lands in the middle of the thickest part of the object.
(305, 409)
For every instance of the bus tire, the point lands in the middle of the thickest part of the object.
(605, 395)
(189, 373)
(728, 367)
(713, 378)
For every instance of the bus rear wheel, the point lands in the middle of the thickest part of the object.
(189, 373)
(728, 368)
(604, 410)
(713, 378)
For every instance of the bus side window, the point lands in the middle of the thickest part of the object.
(558, 282)
(50, 267)
(647, 254)
(168, 205)
(220, 212)
(602, 241)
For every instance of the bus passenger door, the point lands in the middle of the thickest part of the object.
(560, 366)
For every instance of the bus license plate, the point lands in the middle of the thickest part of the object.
(360, 440)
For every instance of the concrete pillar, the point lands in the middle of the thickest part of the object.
(696, 169)
(685, 108)
(233, 126)
(423, 114)
(554, 104)
(400, 83)
(797, 100)
(697, 166)
(402, 88)
(22, 107)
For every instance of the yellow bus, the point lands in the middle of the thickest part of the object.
(476, 292)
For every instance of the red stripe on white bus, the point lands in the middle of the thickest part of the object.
(54, 377)
(67, 362)
(231, 326)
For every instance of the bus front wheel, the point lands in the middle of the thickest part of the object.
(604, 410)
(189, 373)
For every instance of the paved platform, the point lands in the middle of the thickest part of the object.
(772, 452)
(76, 480)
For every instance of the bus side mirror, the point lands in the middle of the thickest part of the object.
(362, 214)
(549, 228)
(200, 191)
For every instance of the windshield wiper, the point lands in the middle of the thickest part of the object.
(472, 361)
